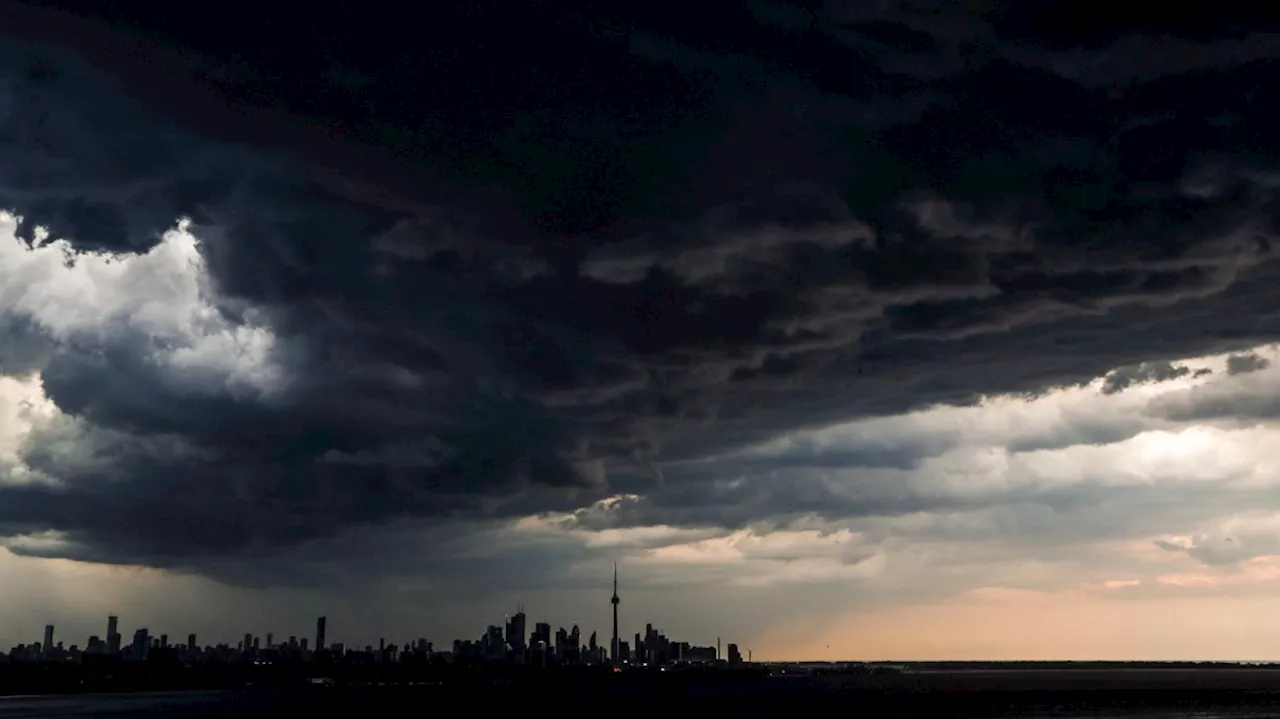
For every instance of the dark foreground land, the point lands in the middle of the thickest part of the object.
(762, 691)
(423, 701)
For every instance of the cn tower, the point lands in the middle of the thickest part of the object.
(613, 652)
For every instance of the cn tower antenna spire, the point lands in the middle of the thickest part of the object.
(615, 647)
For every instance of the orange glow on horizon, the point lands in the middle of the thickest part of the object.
(1009, 624)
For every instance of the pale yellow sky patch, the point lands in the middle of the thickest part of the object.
(1007, 624)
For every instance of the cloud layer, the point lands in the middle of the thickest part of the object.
(232, 345)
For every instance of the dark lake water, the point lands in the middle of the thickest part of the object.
(251, 703)
(156, 704)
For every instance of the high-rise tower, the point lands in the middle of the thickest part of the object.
(113, 636)
(517, 634)
(613, 648)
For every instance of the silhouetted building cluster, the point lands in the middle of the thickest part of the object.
(509, 642)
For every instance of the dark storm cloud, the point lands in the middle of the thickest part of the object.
(501, 286)
(130, 173)
(1245, 363)
(883, 506)
(1147, 372)
(24, 348)
(457, 559)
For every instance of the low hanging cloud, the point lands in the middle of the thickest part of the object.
(1236, 539)
(254, 337)
(1125, 377)
(1249, 397)
(1244, 363)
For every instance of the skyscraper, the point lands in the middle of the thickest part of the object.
(562, 643)
(141, 643)
(48, 640)
(113, 636)
(517, 634)
(320, 633)
(541, 633)
(613, 647)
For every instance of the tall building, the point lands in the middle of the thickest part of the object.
(113, 636)
(562, 644)
(735, 657)
(320, 633)
(141, 643)
(541, 633)
(494, 643)
(613, 647)
(47, 647)
(517, 636)
(191, 642)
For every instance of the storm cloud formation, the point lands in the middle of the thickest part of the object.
(1120, 379)
(461, 283)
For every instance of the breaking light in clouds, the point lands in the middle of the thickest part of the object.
(972, 332)
(69, 297)
(1084, 491)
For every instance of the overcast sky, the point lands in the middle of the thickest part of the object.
(847, 333)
